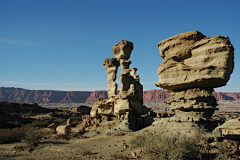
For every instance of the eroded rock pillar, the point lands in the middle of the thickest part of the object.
(192, 66)
(111, 65)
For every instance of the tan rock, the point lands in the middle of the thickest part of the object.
(190, 61)
(53, 126)
(82, 126)
(111, 65)
(231, 127)
(128, 104)
(193, 65)
(122, 50)
(64, 129)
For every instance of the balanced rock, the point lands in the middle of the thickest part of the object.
(192, 66)
(122, 50)
(192, 60)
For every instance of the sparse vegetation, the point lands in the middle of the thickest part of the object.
(11, 135)
(167, 146)
(32, 136)
(41, 123)
(121, 156)
(85, 152)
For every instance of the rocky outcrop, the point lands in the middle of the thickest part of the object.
(127, 105)
(192, 60)
(6, 107)
(82, 109)
(192, 66)
(64, 129)
(230, 127)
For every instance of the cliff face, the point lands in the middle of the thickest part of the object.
(42, 96)
(19, 95)
(96, 94)
(222, 96)
(155, 95)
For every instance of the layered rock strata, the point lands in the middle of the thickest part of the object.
(192, 66)
(127, 106)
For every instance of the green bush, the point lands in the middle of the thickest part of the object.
(11, 135)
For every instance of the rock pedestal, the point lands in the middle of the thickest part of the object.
(127, 106)
(192, 66)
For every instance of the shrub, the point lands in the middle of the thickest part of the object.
(40, 123)
(32, 136)
(13, 124)
(23, 147)
(119, 156)
(85, 152)
(59, 121)
(11, 135)
(168, 146)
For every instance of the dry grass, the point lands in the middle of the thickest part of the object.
(168, 146)
(85, 152)
(11, 135)
(119, 156)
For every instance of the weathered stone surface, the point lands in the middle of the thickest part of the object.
(53, 126)
(127, 106)
(111, 65)
(231, 127)
(196, 98)
(82, 109)
(193, 65)
(64, 129)
(122, 50)
(192, 60)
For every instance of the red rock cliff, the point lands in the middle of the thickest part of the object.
(47, 96)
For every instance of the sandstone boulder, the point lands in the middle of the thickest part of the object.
(231, 127)
(193, 65)
(64, 129)
(192, 60)
(122, 50)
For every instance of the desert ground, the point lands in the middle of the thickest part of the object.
(103, 141)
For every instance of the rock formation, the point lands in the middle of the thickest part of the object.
(126, 106)
(193, 65)
(231, 127)
(64, 129)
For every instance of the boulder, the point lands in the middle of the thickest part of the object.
(230, 127)
(64, 129)
(192, 60)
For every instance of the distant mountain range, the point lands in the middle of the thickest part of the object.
(20, 95)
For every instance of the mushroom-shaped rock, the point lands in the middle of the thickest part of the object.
(122, 50)
(192, 60)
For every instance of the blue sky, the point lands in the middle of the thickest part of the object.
(61, 44)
